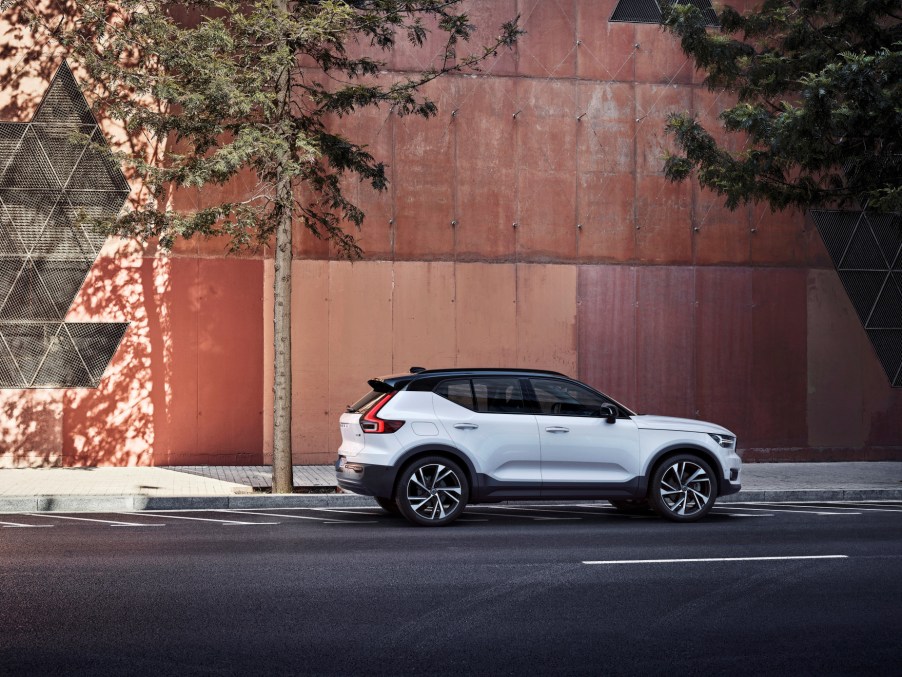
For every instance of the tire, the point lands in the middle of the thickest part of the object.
(388, 505)
(683, 488)
(432, 491)
(632, 506)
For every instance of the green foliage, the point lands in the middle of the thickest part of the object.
(819, 98)
(233, 87)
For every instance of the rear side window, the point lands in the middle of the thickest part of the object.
(364, 404)
(499, 395)
(458, 391)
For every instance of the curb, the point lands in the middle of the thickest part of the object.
(136, 503)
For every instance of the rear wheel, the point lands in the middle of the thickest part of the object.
(388, 505)
(683, 488)
(432, 491)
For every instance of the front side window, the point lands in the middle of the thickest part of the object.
(563, 398)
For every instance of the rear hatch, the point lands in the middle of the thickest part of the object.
(352, 438)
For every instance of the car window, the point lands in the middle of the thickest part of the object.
(458, 391)
(499, 395)
(563, 398)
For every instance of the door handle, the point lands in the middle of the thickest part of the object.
(466, 426)
(557, 429)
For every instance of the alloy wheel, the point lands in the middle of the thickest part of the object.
(434, 491)
(685, 488)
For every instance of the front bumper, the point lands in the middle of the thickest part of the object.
(368, 480)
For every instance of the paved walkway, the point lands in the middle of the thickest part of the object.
(181, 487)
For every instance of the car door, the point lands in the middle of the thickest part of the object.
(579, 448)
(487, 418)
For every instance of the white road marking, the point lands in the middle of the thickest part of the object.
(806, 512)
(350, 512)
(206, 519)
(112, 523)
(12, 525)
(833, 506)
(296, 517)
(496, 513)
(736, 514)
(567, 512)
(713, 559)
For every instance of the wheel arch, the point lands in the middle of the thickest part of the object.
(670, 451)
(443, 450)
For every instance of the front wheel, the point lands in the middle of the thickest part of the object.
(432, 491)
(683, 488)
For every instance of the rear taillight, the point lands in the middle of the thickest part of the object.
(371, 423)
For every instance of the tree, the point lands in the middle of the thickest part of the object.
(819, 95)
(232, 86)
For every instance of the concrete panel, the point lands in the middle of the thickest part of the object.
(127, 419)
(546, 317)
(423, 180)
(546, 125)
(547, 225)
(665, 341)
(423, 316)
(606, 204)
(607, 330)
(486, 169)
(664, 228)
(360, 335)
(31, 428)
(654, 103)
(780, 238)
(229, 372)
(486, 307)
(723, 342)
(778, 392)
(841, 366)
(606, 134)
(606, 51)
(311, 417)
(488, 17)
(549, 47)
(722, 236)
(659, 57)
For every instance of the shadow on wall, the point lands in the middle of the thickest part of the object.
(124, 419)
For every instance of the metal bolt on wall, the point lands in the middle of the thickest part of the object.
(52, 178)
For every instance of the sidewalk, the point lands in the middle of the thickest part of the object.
(217, 487)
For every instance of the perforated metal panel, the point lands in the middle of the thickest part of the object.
(866, 249)
(649, 11)
(53, 178)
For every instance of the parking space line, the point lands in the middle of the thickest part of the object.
(349, 512)
(112, 523)
(806, 512)
(496, 513)
(12, 525)
(866, 507)
(207, 519)
(296, 517)
(566, 512)
(736, 514)
(713, 559)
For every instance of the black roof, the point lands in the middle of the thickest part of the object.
(401, 381)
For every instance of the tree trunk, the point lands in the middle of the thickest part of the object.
(282, 476)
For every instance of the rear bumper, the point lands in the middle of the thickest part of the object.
(368, 480)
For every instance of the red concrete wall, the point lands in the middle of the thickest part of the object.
(527, 224)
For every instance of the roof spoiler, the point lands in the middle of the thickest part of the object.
(379, 385)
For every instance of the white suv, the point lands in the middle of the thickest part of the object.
(428, 443)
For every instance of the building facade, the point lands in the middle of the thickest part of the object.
(528, 224)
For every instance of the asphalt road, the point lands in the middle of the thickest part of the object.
(540, 590)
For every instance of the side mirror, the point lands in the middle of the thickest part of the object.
(609, 411)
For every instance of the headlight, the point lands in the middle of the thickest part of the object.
(725, 441)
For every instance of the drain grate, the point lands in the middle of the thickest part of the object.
(54, 173)
(866, 249)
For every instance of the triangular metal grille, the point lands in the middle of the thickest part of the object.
(862, 288)
(649, 11)
(95, 342)
(28, 344)
(55, 173)
(866, 248)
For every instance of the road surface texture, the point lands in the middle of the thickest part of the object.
(573, 589)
